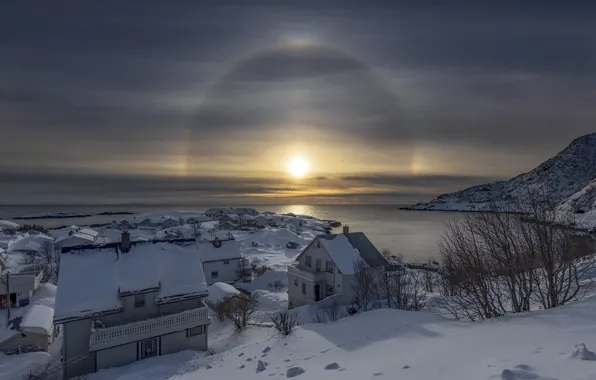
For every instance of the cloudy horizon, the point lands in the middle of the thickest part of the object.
(386, 101)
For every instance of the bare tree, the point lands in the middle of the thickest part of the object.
(365, 285)
(405, 289)
(196, 230)
(47, 250)
(284, 322)
(497, 262)
(239, 309)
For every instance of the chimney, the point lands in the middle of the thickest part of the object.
(346, 229)
(125, 243)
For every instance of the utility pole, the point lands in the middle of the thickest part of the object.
(7, 297)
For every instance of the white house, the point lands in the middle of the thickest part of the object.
(22, 286)
(71, 240)
(222, 260)
(217, 212)
(227, 225)
(263, 220)
(247, 220)
(120, 306)
(232, 218)
(246, 211)
(324, 271)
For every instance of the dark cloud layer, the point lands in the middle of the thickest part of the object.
(93, 82)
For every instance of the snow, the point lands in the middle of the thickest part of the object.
(45, 295)
(220, 291)
(343, 254)
(390, 344)
(90, 281)
(30, 243)
(89, 231)
(263, 281)
(561, 178)
(38, 319)
(20, 367)
(228, 250)
(7, 224)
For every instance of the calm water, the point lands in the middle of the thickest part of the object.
(414, 234)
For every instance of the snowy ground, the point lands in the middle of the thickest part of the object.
(390, 344)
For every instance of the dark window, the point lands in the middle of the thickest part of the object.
(308, 261)
(195, 331)
(318, 265)
(226, 261)
(295, 282)
(148, 348)
(215, 274)
(329, 289)
(318, 244)
(303, 288)
(329, 266)
(140, 300)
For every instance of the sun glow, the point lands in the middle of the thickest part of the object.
(297, 167)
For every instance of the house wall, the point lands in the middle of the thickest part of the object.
(31, 339)
(342, 284)
(178, 341)
(226, 272)
(77, 359)
(116, 356)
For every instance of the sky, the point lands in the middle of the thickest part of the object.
(116, 102)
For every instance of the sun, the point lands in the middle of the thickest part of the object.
(297, 167)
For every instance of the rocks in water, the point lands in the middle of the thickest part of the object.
(242, 366)
(405, 367)
(267, 349)
(332, 366)
(294, 371)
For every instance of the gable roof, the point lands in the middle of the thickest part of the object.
(89, 231)
(91, 282)
(345, 249)
(228, 250)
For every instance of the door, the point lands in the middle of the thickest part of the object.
(318, 265)
(317, 292)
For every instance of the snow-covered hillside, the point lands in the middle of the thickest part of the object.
(393, 344)
(558, 178)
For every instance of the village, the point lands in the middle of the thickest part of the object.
(86, 299)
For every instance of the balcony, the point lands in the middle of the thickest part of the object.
(131, 332)
(310, 276)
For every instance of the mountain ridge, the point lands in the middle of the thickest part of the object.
(559, 178)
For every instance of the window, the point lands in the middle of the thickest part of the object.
(295, 282)
(328, 266)
(226, 261)
(140, 300)
(195, 331)
(318, 244)
(318, 265)
(214, 274)
(308, 261)
(303, 288)
(328, 289)
(148, 348)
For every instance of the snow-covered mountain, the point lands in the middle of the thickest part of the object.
(567, 177)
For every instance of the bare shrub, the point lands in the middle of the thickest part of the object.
(239, 309)
(365, 285)
(497, 262)
(257, 268)
(284, 322)
(277, 285)
(47, 251)
(405, 289)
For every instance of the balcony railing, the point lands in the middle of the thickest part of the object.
(131, 332)
(318, 276)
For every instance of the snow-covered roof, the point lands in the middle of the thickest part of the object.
(29, 243)
(229, 249)
(343, 254)
(220, 291)
(231, 216)
(6, 224)
(38, 319)
(91, 281)
(247, 217)
(78, 235)
(89, 231)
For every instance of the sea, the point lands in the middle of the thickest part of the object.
(415, 235)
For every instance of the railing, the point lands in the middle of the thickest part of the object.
(111, 336)
(293, 269)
